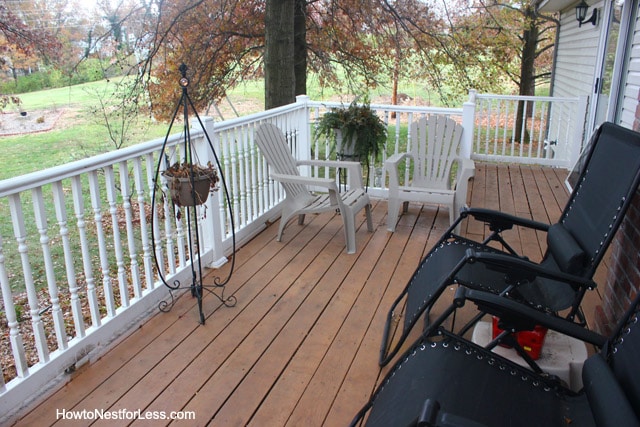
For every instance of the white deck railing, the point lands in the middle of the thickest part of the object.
(548, 130)
(77, 266)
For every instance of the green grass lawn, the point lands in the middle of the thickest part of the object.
(86, 134)
(78, 132)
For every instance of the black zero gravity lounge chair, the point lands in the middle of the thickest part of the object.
(446, 380)
(575, 244)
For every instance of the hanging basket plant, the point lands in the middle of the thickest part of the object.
(358, 131)
(190, 184)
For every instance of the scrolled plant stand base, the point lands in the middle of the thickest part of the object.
(186, 194)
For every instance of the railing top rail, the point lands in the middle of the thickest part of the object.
(57, 173)
(262, 115)
(397, 108)
(528, 98)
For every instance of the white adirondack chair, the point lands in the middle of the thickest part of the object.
(299, 200)
(435, 142)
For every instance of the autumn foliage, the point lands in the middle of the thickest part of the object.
(353, 45)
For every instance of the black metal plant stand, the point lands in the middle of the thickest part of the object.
(196, 286)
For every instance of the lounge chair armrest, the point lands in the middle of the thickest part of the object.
(526, 270)
(505, 307)
(499, 221)
(432, 415)
(354, 169)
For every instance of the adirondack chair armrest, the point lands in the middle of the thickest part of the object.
(391, 165)
(499, 221)
(508, 308)
(392, 162)
(327, 183)
(466, 171)
(354, 169)
(522, 270)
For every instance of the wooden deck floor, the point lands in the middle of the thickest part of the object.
(301, 345)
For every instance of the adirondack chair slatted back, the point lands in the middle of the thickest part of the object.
(276, 151)
(602, 195)
(435, 142)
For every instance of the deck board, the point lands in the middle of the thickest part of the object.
(301, 345)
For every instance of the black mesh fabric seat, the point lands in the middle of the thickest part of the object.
(445, 380)
(575, 244)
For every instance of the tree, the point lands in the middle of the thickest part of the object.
(18, 38)
(219, 40)
(279, 62)
(532, 38)
(454, 44)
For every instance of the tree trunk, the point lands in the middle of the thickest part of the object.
(300, 47)
(279, 77)
(527, 72)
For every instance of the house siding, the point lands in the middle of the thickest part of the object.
(574, 76)
(631, 80)
(575, 58)
(623, 280)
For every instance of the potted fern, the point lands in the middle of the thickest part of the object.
(357, 131)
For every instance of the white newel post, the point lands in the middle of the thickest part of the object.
(211, 222)
(468, 124)
(304, 133)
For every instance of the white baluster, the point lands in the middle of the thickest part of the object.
(78, 205)
(61, 215)
(259, 178)
(20, 232)
(15, 339)
(147, 260)
(224, 206)
(96, 204)
(117, 241)
(244, 208)
(41, 224)
(181, 235)
(496, 135)
(127, 194)
(150, 168)
(505, 132)
(168, 226)
(256, 181)
(531, 130)
(233, 178)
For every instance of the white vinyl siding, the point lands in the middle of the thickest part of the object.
(576, 57)
(627, 110)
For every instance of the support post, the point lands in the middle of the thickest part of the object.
(580, 123)
(304, 132)
(212, 222)
(468, 125)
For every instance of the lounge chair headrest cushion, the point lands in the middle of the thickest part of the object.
(565, 250)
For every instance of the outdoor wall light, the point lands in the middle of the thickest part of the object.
(581, 14)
